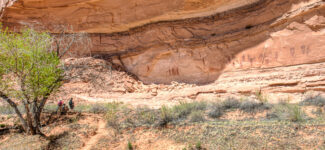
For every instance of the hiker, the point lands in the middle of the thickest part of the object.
(60, 104)
(71, 104)
(65, 109)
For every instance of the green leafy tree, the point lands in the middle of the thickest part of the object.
(29, 73)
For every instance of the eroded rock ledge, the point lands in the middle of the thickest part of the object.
(192, 41)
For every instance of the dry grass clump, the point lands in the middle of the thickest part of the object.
(183, 109)
(112, 115)
(216, 110)
(197, 116)
(231, 103)
(289, 112)
(145, 115)
(166, 116)
(250, 106)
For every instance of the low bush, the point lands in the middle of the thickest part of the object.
(197, 116)
(314, 101)
(182, 110)
(166, 116)
(250, 106)
(130, 147)
(231, 103)
(198, 145)
(290, 112)
(296, 114)
(112, 119)
(99, 108)
(145, 115)
(112, 113)
(216, 111)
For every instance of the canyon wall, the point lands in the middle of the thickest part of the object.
(191, 41)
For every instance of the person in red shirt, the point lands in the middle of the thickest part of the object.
(59, 110)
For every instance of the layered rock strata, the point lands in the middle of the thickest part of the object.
(98, 83)
(192, 41)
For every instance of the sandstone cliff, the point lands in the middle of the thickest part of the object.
(192, 41)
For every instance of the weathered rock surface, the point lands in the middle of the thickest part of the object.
(192, 41)
(92, 80)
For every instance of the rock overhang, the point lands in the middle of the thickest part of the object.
(165, 41)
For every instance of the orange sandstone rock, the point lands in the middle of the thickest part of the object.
(191, 41)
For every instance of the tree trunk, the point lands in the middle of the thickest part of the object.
(14, 105)
(37, 118)
(29, 120)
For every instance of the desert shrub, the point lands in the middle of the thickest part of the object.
(290, 112)
(198, 145)
(197, 116)
(252, 106)
(112, 115)
(296, 114)
(112, 119)
(199, 105)
(114, 106)
(166, 116)
(183, 109)
(314, 101)
(261, 97)
(130, 147)
(112, 111)
(216, 110)
(99, 108)
(231, 103)
(146, 115)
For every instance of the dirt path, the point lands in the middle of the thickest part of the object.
(99, 133)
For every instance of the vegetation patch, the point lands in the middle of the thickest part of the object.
(231, 103)
(145, 115)
(250, 106)
(166, 116)
(286, 111)
(197, 116)
(216, 111)
(254, 134)
(314, 101)
(182, 110)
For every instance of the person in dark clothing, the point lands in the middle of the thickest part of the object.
(65, 109)
(71, 104)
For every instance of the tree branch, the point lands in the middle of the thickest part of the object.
(14, 105)
(46, 96)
